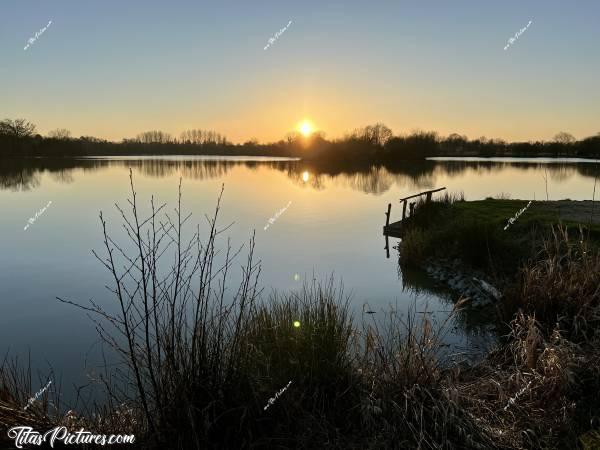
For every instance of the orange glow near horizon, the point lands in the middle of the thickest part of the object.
(306, 128)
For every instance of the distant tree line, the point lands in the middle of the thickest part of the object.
(371, 144)
(377, 144)
(202, 137)
(19, 138)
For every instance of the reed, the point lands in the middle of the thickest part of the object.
(202, 364)
(562, 285)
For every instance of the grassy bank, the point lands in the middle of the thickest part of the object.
(548, 265)
(474, 231)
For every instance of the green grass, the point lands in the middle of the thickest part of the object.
(591, 440)
(497, 212)
(473, 231)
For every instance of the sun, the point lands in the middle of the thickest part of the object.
(306, 128)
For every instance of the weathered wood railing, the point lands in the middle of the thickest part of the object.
(394, 229)
(412, 204)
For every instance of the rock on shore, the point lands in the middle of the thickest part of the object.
(466, 282)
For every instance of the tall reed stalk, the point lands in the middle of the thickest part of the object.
(178, 330)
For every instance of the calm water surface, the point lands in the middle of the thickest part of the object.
(333, 225)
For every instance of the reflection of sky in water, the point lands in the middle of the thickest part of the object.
(333, 226)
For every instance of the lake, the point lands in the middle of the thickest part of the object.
(323, 222)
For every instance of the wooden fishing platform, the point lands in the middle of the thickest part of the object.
(394, 229)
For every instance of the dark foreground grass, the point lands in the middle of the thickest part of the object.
(200, 367)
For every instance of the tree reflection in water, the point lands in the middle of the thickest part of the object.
(25, 174)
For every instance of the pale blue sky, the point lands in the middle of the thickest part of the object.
(115, 68)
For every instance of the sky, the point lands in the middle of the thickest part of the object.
(115, 68)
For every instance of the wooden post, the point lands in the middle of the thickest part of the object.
(387, 247)
(412, 207)
(403, 209)
(387, 214)
(428, 197)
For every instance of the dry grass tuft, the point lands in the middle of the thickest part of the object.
(562, 287)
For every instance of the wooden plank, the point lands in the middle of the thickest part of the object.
(422, 193)
(393, 229)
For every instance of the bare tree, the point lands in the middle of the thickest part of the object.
(377, 134)
(201, 137)
(18, 128)
(154, 137)
(455, 137)
(380, 134)
(564, 138)
(567, 141)
(60, 133)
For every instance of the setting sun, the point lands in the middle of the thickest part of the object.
(306, 128)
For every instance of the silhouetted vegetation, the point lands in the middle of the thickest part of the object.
(374, 144)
